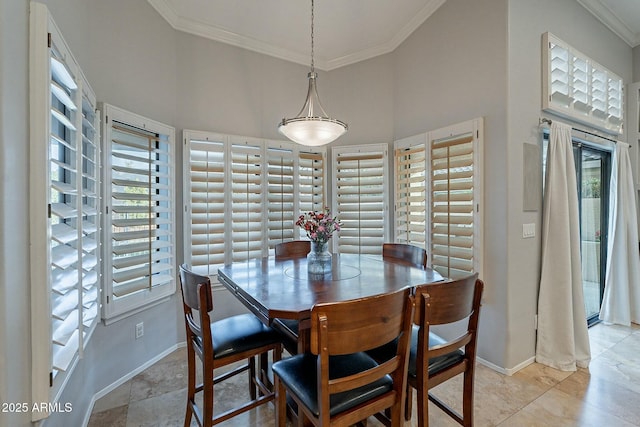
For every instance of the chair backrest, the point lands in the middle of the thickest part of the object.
(293, 249)
(356, 326)
(405, 254)
(196, 295)
(448, 302)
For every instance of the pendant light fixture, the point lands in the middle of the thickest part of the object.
(312, 126)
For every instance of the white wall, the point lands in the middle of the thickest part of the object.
(577, 27)
(15, 344)
(453, 69)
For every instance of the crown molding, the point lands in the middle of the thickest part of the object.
(192, 26)
(612, 21)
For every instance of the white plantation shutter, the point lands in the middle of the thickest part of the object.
(311, 188)
(243, 195)
(247, 207)
(455, 227)
(206, 184)
(577, 87)
(90, 213)
(410, 164)
(360, 197)
(140, 215)
(280, 194)
(64, 205)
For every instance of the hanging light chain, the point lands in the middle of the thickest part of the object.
(312, 62)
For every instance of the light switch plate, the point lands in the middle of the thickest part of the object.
(528, 230)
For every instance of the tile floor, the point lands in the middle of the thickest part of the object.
(607, 394)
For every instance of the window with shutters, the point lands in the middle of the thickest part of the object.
(410, 167)
(247, 180)
(64, 209)
(437, 196)
(139, 217)
(455, 226)
(360, 197)
(576, 87)
(243, 196)
(281, 215)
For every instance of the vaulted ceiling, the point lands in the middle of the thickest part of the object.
(346, 31)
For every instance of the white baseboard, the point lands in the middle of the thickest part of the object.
(509, 371)
(127, 377)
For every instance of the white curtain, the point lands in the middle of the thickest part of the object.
(563, 341)
(621, 302)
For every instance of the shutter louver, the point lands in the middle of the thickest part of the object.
(410, 194)
(452, 206)
(207, 177)
(246, 201)
(141, 194)
(360, 196)
(280, 195)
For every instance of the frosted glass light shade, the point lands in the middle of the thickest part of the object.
(310, 128)
(312, 131)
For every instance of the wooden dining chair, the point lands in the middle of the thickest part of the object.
(293, 249)
(405, 254)
(433, 359)
(288, 328)
(337, 383)
(218, 344)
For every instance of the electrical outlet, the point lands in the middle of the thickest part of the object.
(139, 330)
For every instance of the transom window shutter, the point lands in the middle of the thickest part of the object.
(64, 205)
(452, 205)
(280, 195)
(360, 195)
(247, 216)
(577, 87)
(140, 215)
(207, 180)
(411, 191)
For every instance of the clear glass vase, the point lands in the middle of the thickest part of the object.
(319, 258)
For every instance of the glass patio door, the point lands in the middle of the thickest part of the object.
(593, 167)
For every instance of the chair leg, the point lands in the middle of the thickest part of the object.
(207, 395)
(423, 406)
(467, 399)
(187, 416)
(281, 403)
(408, 403)
(252, 378)
(396, 415)
(191, 384)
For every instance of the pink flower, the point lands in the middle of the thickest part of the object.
(319, 225)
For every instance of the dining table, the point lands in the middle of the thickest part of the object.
(283, 288)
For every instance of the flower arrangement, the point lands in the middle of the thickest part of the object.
(319, 225)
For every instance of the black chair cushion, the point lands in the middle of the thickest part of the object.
(240, 333)
(298, 373)
(288, 330)
(289, 326)
(436, 364)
